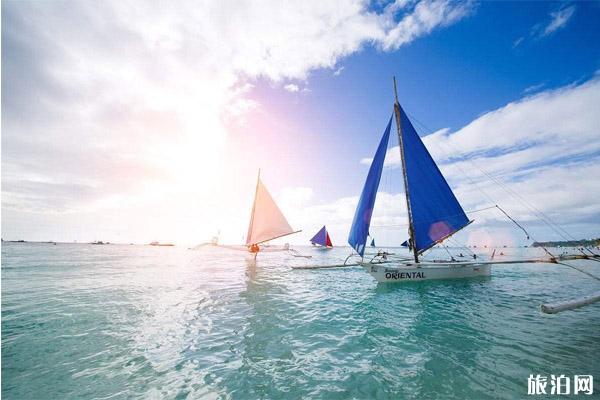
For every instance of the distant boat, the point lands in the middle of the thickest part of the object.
(373, 243)
(266, 221)
(155, 243)
(322, 239)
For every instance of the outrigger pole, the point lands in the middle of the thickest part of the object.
(411, 230)
(554, 308)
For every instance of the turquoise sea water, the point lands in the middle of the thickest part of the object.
(100, 322)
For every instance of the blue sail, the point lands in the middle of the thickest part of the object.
(362, 217)
(320, 237)
(436, 214)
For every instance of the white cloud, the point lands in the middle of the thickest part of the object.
(291, 88)
(518, 41)
(546, 127)
(121, 100)
(295, 197)
(541, 153)
(425, 17)
(533, 88)
(338, 71)
(559, 19)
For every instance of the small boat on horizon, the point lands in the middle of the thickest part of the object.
(155, 243)
(322, 239)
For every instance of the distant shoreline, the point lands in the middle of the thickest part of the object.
(569, 243)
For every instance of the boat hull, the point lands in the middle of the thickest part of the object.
(430, 271)
(322, 248)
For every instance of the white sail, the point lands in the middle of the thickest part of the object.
(267, 222)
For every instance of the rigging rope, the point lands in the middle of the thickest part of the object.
(579, 269)
(448, 251)
(515, 222)
(541, 215)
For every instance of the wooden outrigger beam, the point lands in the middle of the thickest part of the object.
(325, 266)
(570, 304)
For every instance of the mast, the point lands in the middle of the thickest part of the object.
(411, 230)
(253, 206)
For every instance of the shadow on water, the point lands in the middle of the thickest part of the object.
(425, 285)
(429, 331)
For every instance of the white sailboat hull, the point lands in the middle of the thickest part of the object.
(426, 271)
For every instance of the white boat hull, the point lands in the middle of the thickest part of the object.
(426, 271)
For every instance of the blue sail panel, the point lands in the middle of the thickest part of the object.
(362, 217)
(436, 214)
(320, 237)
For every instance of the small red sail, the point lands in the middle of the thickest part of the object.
(322, 238)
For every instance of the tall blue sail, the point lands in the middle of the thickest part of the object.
(320, 237)
(436, 214)
(362, 217)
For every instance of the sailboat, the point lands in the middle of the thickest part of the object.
(434, 213)
(267, 222)
(373, 243)
(322, 239)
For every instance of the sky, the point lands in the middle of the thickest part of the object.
(132, 121)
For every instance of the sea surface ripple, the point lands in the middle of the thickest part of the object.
(120, 322)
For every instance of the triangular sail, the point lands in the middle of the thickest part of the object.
(436, 214)
(320, 237)
(362, 217)
(267, 222)
(372, 242)
(328, 242)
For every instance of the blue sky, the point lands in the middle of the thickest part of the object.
(160, 117)
(446, 79)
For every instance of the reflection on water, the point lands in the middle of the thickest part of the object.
(145, 322)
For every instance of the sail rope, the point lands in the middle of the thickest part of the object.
(448, 251)
(578, 269)
(462, 246)
(481, 209)
(515, 222)
(466, 212)
(537, 212)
